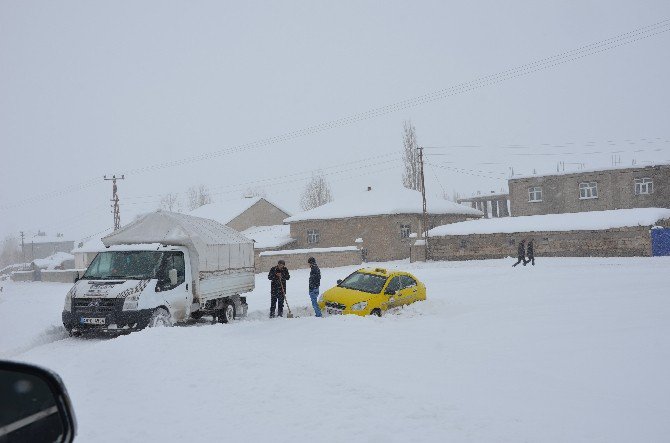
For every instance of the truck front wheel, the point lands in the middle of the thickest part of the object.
(227, 314)
(160, 317)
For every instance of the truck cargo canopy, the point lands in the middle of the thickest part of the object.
(213, 247)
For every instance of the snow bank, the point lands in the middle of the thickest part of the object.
(580, 354)
(383, 202)
(578, 221)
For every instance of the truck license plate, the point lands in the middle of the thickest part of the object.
(92, 321)
(332, 311)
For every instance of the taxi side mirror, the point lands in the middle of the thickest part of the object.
(35, 405)
(339, 282)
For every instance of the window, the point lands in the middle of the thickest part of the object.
(174, 260)
(405, 230)
(588, 190)
(644, 186)
(394, 285)
(407, 281)
(535, 194)
(464, 243)
(312, 236)
(361, 281)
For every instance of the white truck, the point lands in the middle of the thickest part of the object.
(162, 269)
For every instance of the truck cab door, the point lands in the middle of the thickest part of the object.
(173, 284)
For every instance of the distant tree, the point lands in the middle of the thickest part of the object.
(411, 176)
(196, 197)
(171, 202)
(316, 193)
(256, 191)
(10, 252)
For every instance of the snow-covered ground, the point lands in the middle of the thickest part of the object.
(573, 349)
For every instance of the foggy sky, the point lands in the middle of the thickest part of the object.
(95, 88)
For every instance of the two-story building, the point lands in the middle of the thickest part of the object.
(593, 190)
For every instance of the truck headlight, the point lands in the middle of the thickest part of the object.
(131, 302)
(359, 306)
(68, 301)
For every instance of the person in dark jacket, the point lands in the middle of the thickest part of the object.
(530, 253)
(521, 253)
(278, 276)
(314, 284)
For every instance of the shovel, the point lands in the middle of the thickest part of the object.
(290, 314)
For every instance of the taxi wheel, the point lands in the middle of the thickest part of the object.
(376, 312)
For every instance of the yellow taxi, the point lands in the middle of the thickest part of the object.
(372, 291)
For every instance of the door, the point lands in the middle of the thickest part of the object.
(660, 242)
(409, 289)
(175, 294)
(393, 292)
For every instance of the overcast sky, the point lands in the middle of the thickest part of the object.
(94, 88)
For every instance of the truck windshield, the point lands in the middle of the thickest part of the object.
(129, 265)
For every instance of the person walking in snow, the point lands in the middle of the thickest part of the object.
(530, 253)
(521, 253)
(314, 284)
(278, 276)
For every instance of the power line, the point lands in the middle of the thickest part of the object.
(489, 80)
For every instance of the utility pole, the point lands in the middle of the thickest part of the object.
(115, 200)
(23, 246)
(423, 197)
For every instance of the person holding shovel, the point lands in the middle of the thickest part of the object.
(278, 276)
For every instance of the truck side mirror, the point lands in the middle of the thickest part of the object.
(172, 274)
(35, 405)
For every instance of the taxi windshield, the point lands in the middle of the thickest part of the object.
(361, 281)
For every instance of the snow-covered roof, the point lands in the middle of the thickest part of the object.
(578, 221)
(93, 245)
(310, 251)
(269, 236)
(383, 202)
(46, 239)
(53, 261)
(224, 212)
(586, 171)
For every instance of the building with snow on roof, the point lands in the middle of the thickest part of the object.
(591, 190)
(380, 222)
(42, 245)
(612, 233)
(243, 213)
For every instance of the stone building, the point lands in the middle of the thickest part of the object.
(595, 190)
(382, 223)
(243, 213)
(615, 233)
